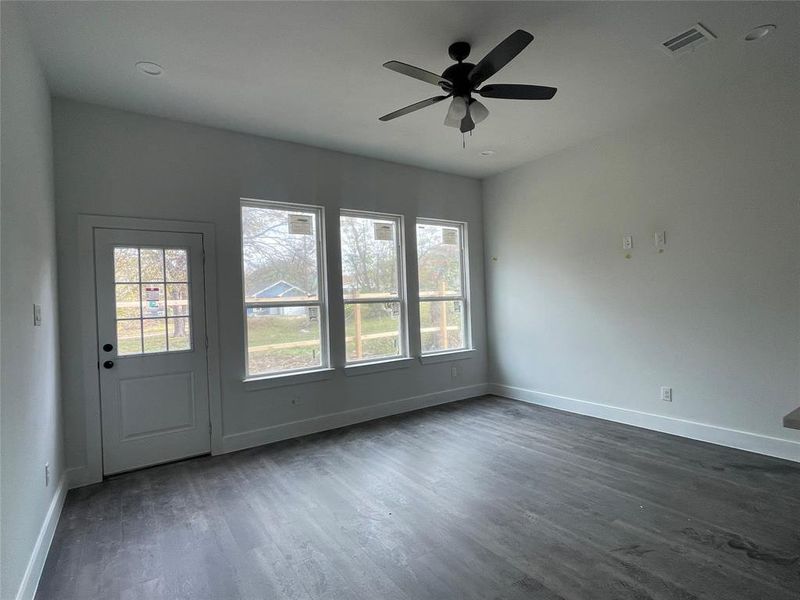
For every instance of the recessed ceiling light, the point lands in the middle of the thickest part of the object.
(759, 32)
(150, 68)
(487, 153)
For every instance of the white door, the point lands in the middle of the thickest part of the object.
(151, 347)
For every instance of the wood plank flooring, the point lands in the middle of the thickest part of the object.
(482, 499)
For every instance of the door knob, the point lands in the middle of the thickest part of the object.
(108, 364)
(108, 347)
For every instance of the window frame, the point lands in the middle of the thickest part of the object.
(322, 289)
(464, 297)
(402, 295)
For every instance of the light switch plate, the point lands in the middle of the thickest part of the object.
(37, 315)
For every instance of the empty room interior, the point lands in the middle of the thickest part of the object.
(327, 300)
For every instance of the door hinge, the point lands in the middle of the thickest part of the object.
(206, 341)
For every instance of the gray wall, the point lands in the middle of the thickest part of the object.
(29, 383)
(110, 162)
(716, 316)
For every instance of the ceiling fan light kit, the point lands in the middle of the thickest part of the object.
(461, 80)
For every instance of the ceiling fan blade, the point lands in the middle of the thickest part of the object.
(416, 73)
(500, 56)
(412, 107)
(513, 91)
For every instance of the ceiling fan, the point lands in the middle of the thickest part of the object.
(461, 80)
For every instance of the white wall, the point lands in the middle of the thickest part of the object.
(110, 162)
(29, 384)
(716, 316)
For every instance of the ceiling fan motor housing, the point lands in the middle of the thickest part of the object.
(459, 75)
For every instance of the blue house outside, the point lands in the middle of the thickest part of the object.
(276, 291)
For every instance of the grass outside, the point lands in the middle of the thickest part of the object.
(294, 340)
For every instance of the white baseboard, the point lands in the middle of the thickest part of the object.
(284, 431)
(30, 581)
(733, 438)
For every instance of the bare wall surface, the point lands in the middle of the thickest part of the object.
(110, 162)
(716, 316)
(30, 405)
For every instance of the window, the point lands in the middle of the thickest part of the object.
(373, 281)
(443, 286)
(151, 287)
(284, 288)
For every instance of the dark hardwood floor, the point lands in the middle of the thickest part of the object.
(486, 498)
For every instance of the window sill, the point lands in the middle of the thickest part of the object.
(273, 381)
(439, 357)
(378, 366)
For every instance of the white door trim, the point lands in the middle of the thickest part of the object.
(92, 471)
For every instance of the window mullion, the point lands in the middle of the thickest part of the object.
(372, 300)
(441, 298)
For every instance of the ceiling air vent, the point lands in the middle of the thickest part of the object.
(695, 36)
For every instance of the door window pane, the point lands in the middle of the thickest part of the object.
(127, 301)
(283, 339)
(179, 334)
(372, 330)
(142, 308)
(177, 299)
(177, 263)
(129, 337)
(441, 325)
(369, 257)
(153, 304)
(152, 260)
(154, 335)
(126, 265)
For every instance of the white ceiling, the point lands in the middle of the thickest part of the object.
(310, 72)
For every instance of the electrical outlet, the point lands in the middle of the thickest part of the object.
(660, 240)
(454, 372)
(46, 474)
(666, 394)
(627, 242)
(296, 400)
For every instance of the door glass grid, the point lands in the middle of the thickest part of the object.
(153, 309)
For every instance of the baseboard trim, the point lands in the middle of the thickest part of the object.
(30, 580)
(732, 438)
(284, 431)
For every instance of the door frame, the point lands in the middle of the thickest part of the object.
(92, 471)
